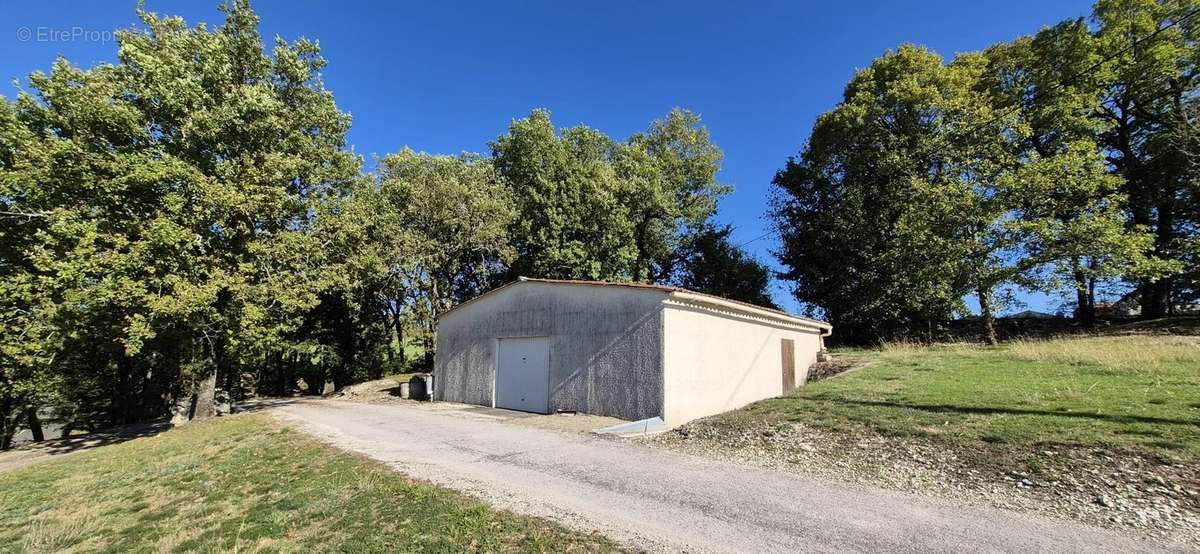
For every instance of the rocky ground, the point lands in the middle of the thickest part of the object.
(379, 391)
(1120, 490)
(829, 368)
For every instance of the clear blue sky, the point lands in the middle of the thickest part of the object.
(446, 77)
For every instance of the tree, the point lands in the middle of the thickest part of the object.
(264, 138)
(1070, 215)
(590, 207)
(670, 183)
(570, 222)
(459, 215)
(90, 238)
(1065, 211)
(993, 162)
(711, 264)
(856, 239)
(149, 205)
(1148, 86)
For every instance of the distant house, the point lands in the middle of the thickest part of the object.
(631, 351)
(1031, 314)
(1130, 306)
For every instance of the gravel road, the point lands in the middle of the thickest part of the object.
(665, 501)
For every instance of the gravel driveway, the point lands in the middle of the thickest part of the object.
(666, 501)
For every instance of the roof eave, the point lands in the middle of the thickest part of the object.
(750, 309)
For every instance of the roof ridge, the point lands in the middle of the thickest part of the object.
(668, 288)
(647, 286)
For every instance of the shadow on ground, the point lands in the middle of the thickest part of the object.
(985, 410)
(103, 438)
(260, 404)
(40, 451)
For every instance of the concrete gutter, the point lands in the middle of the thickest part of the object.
(638, 428)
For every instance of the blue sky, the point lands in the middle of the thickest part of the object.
(446, 77)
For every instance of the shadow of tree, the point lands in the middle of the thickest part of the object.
(104, 437)
(33, 452)
(260, 404)
(984, 410)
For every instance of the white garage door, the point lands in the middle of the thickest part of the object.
(523, 374)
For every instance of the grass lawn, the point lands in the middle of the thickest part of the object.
(1140, 393)
(247, 484)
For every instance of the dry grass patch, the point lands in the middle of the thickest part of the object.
(905, 351)
(1121, 353)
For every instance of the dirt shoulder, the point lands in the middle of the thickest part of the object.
(387, 391)
(1124, 491)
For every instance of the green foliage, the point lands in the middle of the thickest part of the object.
(671, 189)
(857, 238)
(591, 207)
(1029, 165)
(460, 213)
(155, 211)
(712, 264)
(570, 223)
(1147, 108)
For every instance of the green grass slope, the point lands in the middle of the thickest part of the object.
(1138, 392)
(247, 484)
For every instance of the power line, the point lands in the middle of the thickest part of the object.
(762, 236)
(1093, 67)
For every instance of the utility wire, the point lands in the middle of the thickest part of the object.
(760, 237)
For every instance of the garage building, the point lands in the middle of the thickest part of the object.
(631, 351)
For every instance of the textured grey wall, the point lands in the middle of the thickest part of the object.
(605, 346)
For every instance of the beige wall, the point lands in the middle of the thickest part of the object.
(715, 361)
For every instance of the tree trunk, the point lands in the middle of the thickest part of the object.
(431, 325)
(387, 328)
(9, 415)
(123, 412)
(399, 333)
(350, 334)
(640, 270)
(1156, 298)
(204, 400)
(1142, 197)
(985, 313)
(1091, 297)
(1085, 309)
(35, 424)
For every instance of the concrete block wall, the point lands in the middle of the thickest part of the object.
(605, 346)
